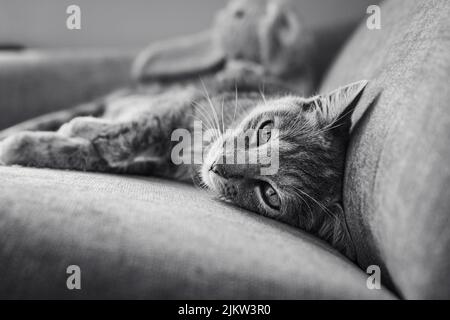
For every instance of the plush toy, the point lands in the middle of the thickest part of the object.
(267, 34)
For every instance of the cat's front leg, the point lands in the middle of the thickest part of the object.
(87, 144)
(121, 143)
(50, 150)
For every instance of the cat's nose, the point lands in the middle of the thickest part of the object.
(218, 169)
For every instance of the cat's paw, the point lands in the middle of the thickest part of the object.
(13, 149)
(117, 151)
(82, 127)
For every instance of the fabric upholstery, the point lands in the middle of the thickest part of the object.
(137, 237)
(397, 186)
(34, 82)
(146, 238)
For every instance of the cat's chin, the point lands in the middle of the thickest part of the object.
(214, 182)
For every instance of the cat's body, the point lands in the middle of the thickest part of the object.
(132, 125)
(132, 133)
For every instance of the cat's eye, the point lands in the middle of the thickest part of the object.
(264, 132)
(270, 196)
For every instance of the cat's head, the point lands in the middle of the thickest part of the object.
(300, 146)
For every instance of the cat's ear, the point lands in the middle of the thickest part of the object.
(339, 103)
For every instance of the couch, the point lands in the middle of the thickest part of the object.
(146, 238)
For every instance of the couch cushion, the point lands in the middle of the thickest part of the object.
(397, 188)
(35, 82)
(135, 237)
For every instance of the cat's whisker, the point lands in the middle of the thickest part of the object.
(262, 94)
(310, 213)
(300, 195)
(197, 118)
(241, 108)
(210, 105)
(200, 107)
(211, 122)
(213, 109)
(208, 120)
(300, 128)
(317, 202)
(205, 128)
(235, 101)
(327, 128)
(223, 123)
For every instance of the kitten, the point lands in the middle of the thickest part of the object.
(132, 133)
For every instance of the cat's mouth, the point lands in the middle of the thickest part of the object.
(224, 189)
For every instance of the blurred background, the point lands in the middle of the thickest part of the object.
(135, 23)
(65, 67)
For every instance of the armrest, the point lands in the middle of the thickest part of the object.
(36, 82)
